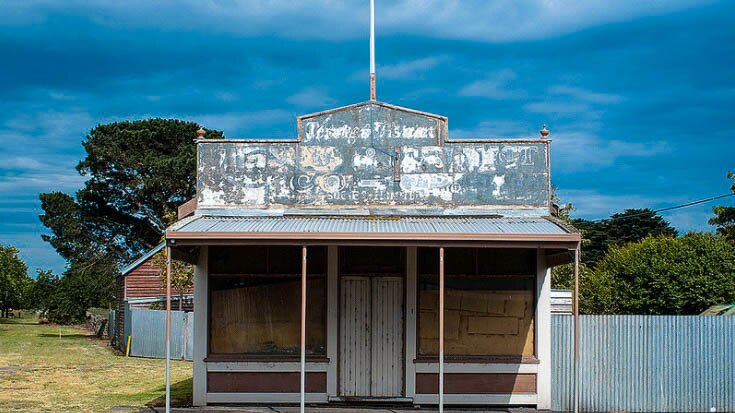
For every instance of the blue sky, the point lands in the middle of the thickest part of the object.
(639, 95)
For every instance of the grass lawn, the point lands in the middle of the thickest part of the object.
(40, 372)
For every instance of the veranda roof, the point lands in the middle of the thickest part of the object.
(467, 228)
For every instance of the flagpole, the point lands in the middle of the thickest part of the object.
(372, 50)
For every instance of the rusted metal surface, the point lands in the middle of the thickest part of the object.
(374, 155)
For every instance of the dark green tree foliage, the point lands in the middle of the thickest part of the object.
(138, 174)
(74, 237)
(629, 226)
(15, 284)
(724, 218)
(662, 275)
(84, 285)
(44, 290)
(562, 276)
(65, 300)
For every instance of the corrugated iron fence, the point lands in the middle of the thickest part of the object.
(111, 324)
(645, 363)
(147, 329)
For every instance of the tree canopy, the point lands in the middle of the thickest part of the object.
(138, 174)
(15, 284)
(662, 275)
(182, 274)
(621, 228)
(724, 218)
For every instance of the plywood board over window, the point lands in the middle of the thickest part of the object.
(489, 309)
(255, 295)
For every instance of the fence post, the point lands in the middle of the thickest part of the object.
(184, 335)
(128, 325)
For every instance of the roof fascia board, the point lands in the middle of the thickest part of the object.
(137, 263)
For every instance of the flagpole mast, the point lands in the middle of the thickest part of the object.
(372, 50)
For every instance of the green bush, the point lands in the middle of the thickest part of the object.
(662, 275)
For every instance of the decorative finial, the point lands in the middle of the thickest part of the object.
(544, 132)
(200, 133)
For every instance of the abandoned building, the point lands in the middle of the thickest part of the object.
(424, 262)
(138, 286)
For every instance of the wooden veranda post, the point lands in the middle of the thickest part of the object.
(441, 330)
(576, 329)
(303, 329)
(168, 329)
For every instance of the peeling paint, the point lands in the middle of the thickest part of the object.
(374, 157)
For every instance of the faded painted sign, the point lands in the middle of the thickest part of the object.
(372, 156)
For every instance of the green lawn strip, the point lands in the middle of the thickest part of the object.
(42, 372)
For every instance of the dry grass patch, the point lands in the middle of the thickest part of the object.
(40, 372)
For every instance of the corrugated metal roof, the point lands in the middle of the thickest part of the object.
(415, 225)
(133, 265)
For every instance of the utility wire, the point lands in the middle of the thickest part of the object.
(656, 211)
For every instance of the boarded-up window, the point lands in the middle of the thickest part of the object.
(383, 261)
(489, 302)
(255, 301)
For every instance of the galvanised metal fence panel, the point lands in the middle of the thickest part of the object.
(189, 336)
(645, 363)
(148, 332)
(111, 324)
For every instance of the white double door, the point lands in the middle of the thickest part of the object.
(371, 337)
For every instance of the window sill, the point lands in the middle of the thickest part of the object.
(270, 358)
(479, 359)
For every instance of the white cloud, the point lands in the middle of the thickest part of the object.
(585, 95)
(410, 68)
(310, 97)
(580, 147)
(496, 21)
(496, 85)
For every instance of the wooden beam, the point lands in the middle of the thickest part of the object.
(575, 302)
(559, 258)
(168, 329)
(441, 329)
(187, 208)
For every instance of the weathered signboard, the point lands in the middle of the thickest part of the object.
(377, 157)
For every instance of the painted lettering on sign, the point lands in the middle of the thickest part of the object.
(368, 157)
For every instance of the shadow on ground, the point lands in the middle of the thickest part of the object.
(180, 394)
(63, 336)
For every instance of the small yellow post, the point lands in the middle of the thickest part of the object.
(127, 349)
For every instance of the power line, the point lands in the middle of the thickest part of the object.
(656, 211)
